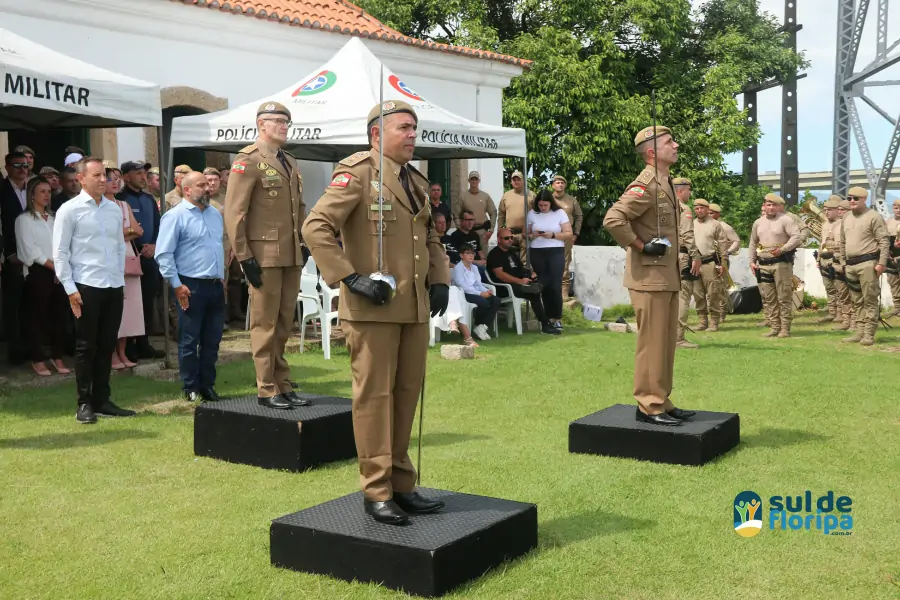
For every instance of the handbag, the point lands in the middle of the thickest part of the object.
(132, 263)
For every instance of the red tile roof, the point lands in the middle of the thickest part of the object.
(341, 17)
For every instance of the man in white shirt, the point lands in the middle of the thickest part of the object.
(12, 281)
(89, 256)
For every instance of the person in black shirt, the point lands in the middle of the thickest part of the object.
(70, 189)
(505, 266)
(440, 226)
(438, 207)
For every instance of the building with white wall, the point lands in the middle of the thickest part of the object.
(208, 55)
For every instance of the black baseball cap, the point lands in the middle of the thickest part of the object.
(132, 165)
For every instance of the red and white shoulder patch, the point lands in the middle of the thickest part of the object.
(238, 167)
(637, 191)
(340, 180)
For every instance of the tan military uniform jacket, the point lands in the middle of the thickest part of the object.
(481, 204)
(173, 198)
(768, 234)
(412, 249)
(734, 241)
(831, 238)
(709, 235)
(573, 210)
(805, 231)
(686, 238)
(264, 208)
(512, 209)
(646, 205)
(864, 234)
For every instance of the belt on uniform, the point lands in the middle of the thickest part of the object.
(485, 226)
(787, 257)
(826, 255)
(853, 284)
(855, 260)
(828, 272)
(892, 271)
(705, 260)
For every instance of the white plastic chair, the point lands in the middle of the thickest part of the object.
(513, 305)
(328, 294)
(310, 308)
(470, 312)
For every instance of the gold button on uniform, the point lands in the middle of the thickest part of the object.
(416, 276)
(416, 238)
(417, 257)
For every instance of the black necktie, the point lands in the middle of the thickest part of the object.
(404, 181)
(283, 162)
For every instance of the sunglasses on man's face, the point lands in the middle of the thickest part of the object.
(507, 237)
(19, 165)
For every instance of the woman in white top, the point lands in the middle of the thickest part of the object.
(549, 230)
(44, 294)
(466, 275)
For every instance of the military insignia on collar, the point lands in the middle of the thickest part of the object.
(340, 180)
(262, 166)
(376, 185)
(270, 106)
(389, 106)
(271, 172)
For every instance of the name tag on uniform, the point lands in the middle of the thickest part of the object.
(383, 207)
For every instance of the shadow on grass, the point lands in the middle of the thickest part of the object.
(779, 438)
(587, 525)
(447, 439)
(59, 441)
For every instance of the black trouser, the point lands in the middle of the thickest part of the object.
(548, 263)
(150, 287)
(534, 299)
(12, 283)
(95, 339)
(47, 304)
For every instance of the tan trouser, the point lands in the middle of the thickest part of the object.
(894, 283)
(714, 288)
(387, 361)
(867, 300)
(654, 356)
(271, 319)
(777, 300)
(831, 290)
(567, 275)
(845, 302)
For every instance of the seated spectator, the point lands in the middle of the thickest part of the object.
(44, 293)
(505, 266)
(453, 319)
(69, 188)
(465, 236)
(466, 276)
(549, 229)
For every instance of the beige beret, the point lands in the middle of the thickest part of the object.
(681, 181)
(774, 198)
(647, 134)
(833, 202)
(701, 202)
(183, 169)
(845, 204)
(715, 207)
(391, 107)
(516, 174)
(560, 178)
(858, 192)
(273, 108)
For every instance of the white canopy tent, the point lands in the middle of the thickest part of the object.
(44, 89)
(329, 109)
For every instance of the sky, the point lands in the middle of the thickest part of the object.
(815, 93)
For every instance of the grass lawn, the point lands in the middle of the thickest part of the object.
(123, 509)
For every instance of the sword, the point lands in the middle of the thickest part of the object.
(659, 238)
(380, 274)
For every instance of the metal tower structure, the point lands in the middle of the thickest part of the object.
(849, 85)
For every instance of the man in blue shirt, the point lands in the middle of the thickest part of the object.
(190, 256)
(143, 205)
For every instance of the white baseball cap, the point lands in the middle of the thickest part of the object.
(72, 158)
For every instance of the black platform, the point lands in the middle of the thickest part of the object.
(240, 430)
(614, 431)
(429, 556)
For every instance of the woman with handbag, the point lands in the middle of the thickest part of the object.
(133, 309)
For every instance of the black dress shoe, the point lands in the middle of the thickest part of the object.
(296, 399)
(210, 395)
(386, 512)
(149, 351)
(85, 414)
(108, 409)
(660, 419)
(681, 414)
(550, 329)
(279, 402)
(193, 396)
(415, 503)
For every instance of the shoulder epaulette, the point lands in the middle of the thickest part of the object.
(355, 159)
(645, 177)
(248, 149)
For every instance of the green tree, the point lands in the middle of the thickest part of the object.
(595, 64)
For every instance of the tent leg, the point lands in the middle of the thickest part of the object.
(525, 230)
(165, 175)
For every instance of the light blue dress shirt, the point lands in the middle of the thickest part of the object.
(89, 244)
(190, 243)
(468, 279)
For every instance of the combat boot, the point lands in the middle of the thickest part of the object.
(704, 324)
(772, 333)
(843, 324)
(826, 319)
(713, 324)
(868, 338)
(785, 331)
(856, 337)
(683, 343)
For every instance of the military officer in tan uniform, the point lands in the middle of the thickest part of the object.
(387, 334)
(512, 211)
(645, 221)
(175, 196)
(773, 242)
(734, 246)
(864, 246)
(573, 211)
(845, 302)
(482, 206)
(264, 211)
(893, 275)
(688, 262)
(216, 193)
(826, 258)
(712, 246)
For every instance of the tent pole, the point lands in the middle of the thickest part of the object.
(165, 175)
(525, 229)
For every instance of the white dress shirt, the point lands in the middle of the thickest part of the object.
(89, 244)
(20, 192)
(34, 240)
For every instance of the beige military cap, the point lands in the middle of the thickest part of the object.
(701, 202)
(858, 192)
(183, 169)
(560, 178)
(475, 175)
(210, 171)
(153, 171)
(273, 108)
(774, 198)
(713, 207)
(845, 204)
(516, 174)
(47, 171)
(23, 149)
(681, 181)
(391, 107)
(833, 202)
(647, 134)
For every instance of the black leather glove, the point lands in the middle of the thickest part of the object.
(439, 296)
(253, 272)
(654, 249)
(379, 292)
